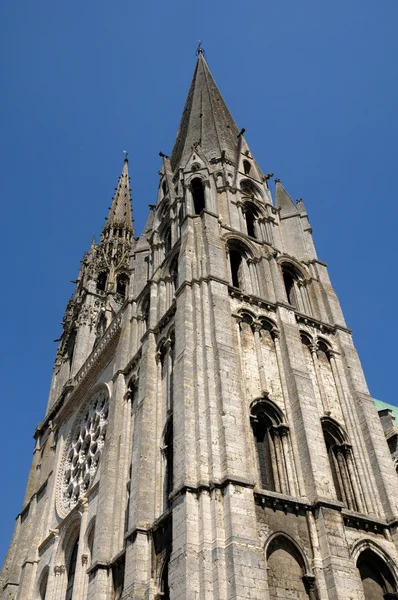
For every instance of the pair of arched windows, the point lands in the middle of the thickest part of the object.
(122, 282)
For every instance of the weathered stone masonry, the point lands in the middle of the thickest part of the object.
(209, 432)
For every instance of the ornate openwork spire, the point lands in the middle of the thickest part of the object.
(120, 211)
(206, 120)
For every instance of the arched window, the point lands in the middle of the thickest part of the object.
(246, 167)
(169, 460)
(101, 281)
(377, 579)
(122, 282)
(145, 310)
(167, 240)
(290, 278)
(90, 542)
(164, 580)
(235, 260)
(271, 443)
(341, 463)
(174, 274)
(118, 569)
(164, 188)
(251, 217)
(71, 571)
(43, 585)
(286, 571)
(70, 346)
(262, 435)
(295, 292)
(198, 195)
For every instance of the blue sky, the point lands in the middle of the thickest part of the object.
(314, 84)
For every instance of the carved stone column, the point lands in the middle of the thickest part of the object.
(257, 326)
(322, 392)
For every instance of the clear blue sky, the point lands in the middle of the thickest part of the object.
(314, 84)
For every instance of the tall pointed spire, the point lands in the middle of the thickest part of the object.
(120, 211)
(206, 120)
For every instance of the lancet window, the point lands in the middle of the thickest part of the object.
(296, 294)
(198, 195)
(169, 463)
(251, 216)
(247, 167)
(174, 274)
(164, 580)
(145, 311)
(167, 240)
(122, 282)
(242, 270)
(342, 465)
(43, 585)
(72, 571)
(166, 363)
(101, 281)
(272, 446)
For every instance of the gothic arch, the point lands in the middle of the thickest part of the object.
(89, 536)
(377, 570)
(162, 209)
(289, 261)
(164, 579)
(144, 305)
(335, 429)
(368, 544)
(42, 582)
(282, 535)
(68, 536)
(239, 240)
(264, 404)
(171, 258)
(288, 566)
(250, 189)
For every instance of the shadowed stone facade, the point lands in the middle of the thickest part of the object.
(209, 432)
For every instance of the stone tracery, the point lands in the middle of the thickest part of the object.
(84, 450)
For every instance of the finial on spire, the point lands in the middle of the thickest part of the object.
(125, 152)
(199, 49)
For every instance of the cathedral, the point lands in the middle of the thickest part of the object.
(209, 433)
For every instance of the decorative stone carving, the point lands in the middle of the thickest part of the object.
(83, 450)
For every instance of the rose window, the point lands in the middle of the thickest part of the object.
(84, 450)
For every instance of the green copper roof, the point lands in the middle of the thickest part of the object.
(383, 406)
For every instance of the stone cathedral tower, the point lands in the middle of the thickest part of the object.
(209, 433)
